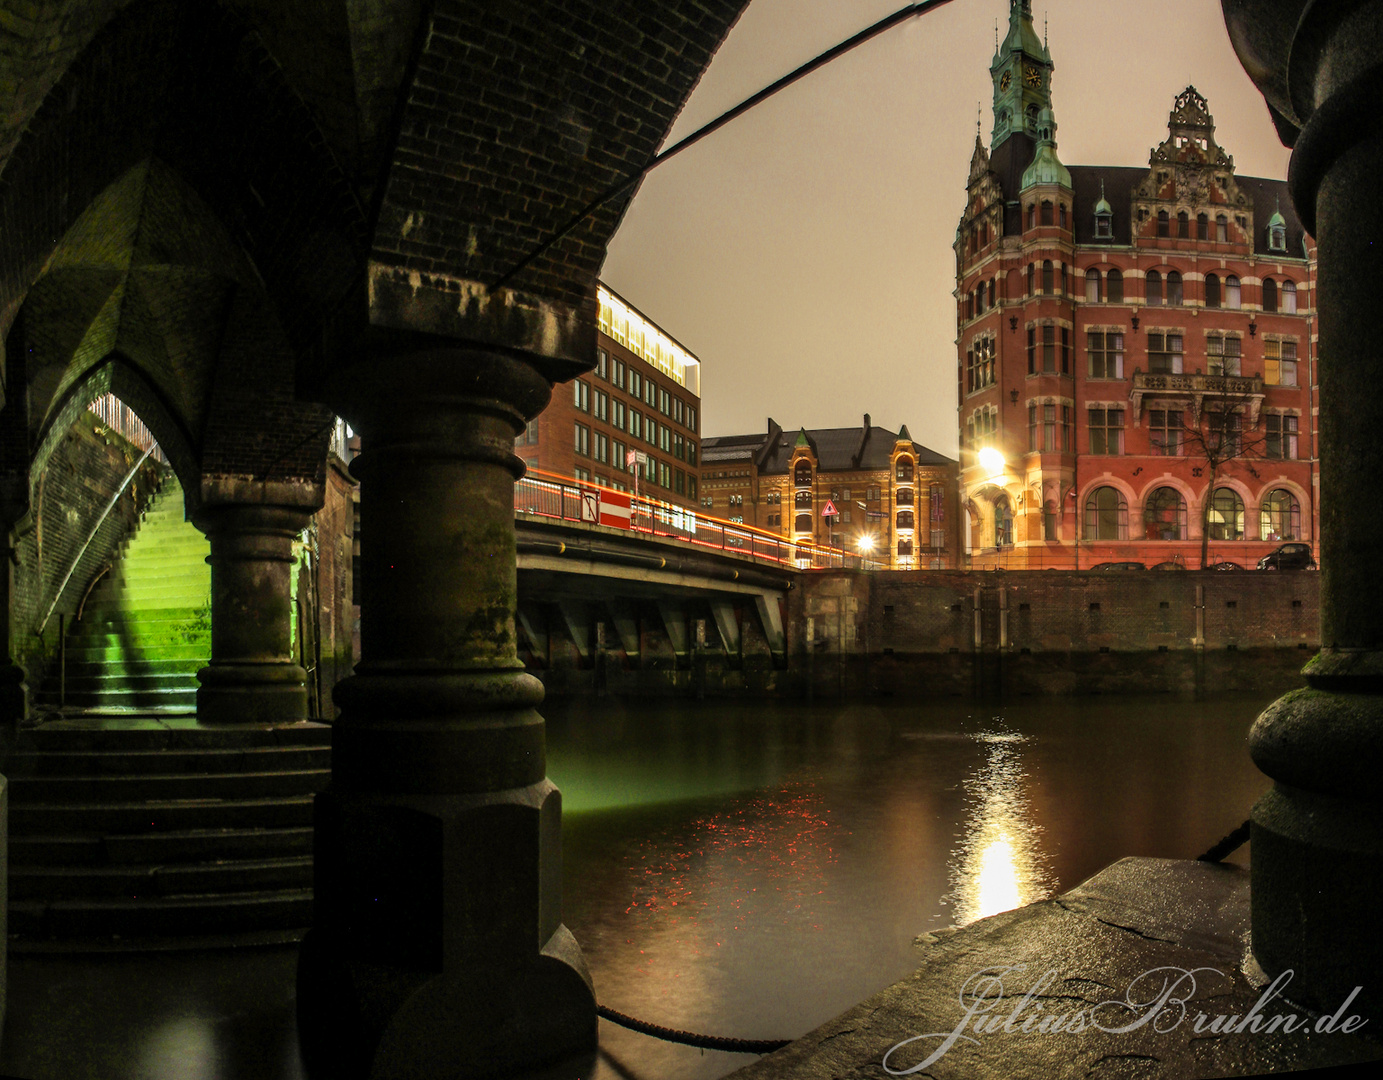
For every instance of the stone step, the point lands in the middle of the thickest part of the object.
(141, 734)
(79, 667)
(187, 845)
(111, 679)
(66, 819)
(194, 653)
(154, 787)
(190, 760)
(176, 699)
(284, 909)
(179, 879)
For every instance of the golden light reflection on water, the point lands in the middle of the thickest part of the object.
(999, 863)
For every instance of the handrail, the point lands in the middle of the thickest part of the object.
(549, 495)
(97, 528)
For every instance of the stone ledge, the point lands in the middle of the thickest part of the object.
(1134, 916)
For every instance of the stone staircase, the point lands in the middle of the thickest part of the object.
(137, 832)
(146, 627)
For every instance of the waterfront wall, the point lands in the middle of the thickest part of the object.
(984, 633)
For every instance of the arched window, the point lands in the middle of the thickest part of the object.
(1222, 228)
(905, 548)
(1212, 290)
(1047, 218)
(1280, 516)
(1232, 292)
(1226, 519)
(904, 470)
(1163, 223)
(802, 475)
(1106, 515)
(1048, 286)
(1032, 279)
(803, 498)
(1154, 287)
(1114, 282)
(1202, 227)
(1003, 522)
(903, 497)
(1092, 286)
(1269, 294)
(1289, 297)
(1165, 515)
(1174, 288)
(803, 523)
(905, 519)
(1061, 215)
(1183, 225)
(1049, 520)
(1032, 215)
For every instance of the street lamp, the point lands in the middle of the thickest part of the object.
(992, 461)
(865, 544)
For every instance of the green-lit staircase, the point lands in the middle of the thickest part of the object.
(146, 628)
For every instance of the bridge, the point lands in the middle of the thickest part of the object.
(604, 573)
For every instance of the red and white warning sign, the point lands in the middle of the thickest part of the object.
(829, 510)
(608, 508)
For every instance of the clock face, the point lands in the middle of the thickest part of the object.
(1003, 83)
(1033, 77)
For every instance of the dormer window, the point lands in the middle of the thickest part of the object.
(1277, 237)
(1104, 225)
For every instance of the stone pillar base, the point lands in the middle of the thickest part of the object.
(248, 693)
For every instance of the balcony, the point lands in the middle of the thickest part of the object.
(1245, 390)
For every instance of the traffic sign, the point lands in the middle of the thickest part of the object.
(829, 510)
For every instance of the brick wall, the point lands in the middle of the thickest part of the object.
(84, 470)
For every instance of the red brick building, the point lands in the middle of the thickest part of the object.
(1136, 345)
(894, 499)
(642, 398)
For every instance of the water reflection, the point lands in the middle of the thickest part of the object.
(999, 863)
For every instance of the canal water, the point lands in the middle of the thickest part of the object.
(753, 869)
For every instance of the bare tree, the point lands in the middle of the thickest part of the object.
(1224, 427)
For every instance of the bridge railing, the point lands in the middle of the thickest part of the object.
(544, 495)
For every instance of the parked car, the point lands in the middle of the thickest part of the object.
(1170, 564)
(1119, 566)
(1288, 557)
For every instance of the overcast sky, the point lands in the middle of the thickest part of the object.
(803, 252)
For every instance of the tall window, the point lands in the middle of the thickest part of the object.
(1032, 350)
(636, 423)
(1269, 294)
(1183, 225)
(1092, 286)
(1225, 432)
(802, 474)
(1106, 515)
(583, 440)
(979, 364)
(1222, 228)
(1032, 288)
(1048, 283)
(1164, 431)
(1164, 353)
(1032, 215)
(1280, 362)
(1061, 215)
(1174, 288)
(1280, 516)
(1114, 281)
(1154, 288)
(1232, 292)
(1106, 431)
(1049, 520)
(1222, 354)
(1003, 522)
(904, 470)
(1164, 515)
(905, 519)
(1048, 348)
(1106, 350)
(1277, 238)
(1202, 227)
(1289, 297)
(1281, 436)
(1226, 519)
(602, 364)
(1047, 212)
(1104, 225)
(1212, 290)
(1163, 223)
(581, 395)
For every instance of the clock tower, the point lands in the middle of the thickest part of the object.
(1022, 75)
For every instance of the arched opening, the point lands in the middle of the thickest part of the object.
(1225, 520)
(1212, 290)
(1106, 515)
(802, 473)
(1003, 522)
(1164, 515)
(1153, 284)
(1280, 516)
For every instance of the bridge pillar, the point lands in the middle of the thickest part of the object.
(1317, 837)
(252, 677)
(438, 948)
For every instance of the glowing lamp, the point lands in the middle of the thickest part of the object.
(865, 543)
(992, 460)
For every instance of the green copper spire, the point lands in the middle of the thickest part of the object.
(1046, 168)
(1103, 207)
(1022, 76)
(802, 439)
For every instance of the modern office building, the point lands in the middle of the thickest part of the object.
(633, 420)
(1136, 345)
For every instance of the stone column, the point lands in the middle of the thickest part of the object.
(252, 677)
(14, 694)
(438, 948)
(1317, 840)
